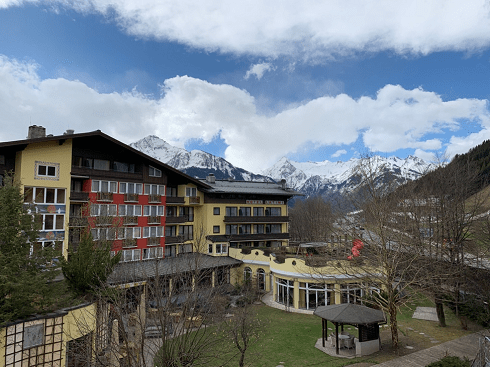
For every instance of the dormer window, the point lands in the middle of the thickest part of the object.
(155, 172)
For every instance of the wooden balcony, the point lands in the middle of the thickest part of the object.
(130, 221)
(131, 197)
(175, 200)
(104, 221)
(78, 221)
(176, 219)
(153, 241)
(194, 200)
(78, 196)
(250, 237)
(154, 219)
(172, 239)
(155, 199)
(104, 196)
(261, 219)
(129, 242)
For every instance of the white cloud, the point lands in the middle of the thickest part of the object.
(195, 109)
(426, 156)
(258, 70)
(318, 30)
(338, 153)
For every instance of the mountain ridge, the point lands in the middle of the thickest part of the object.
(325, 178)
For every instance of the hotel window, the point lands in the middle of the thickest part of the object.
(128, 233)
(154, 189)
(154, 172)
(51, 222)
(244, 212)
(231, 229)
(216, 211)
(231, 211)
(210, 248)
(172, 192)
(171, 231)
(272, 228)
(130, 188)
(103, 234)
(45, 170)
(258, 229)
(186, 232)
(221, 248)
(124, 167)
(273, 212)
(152, 253)
(244, 229)
(131, 255)
(258, 212)
(153, 210)
(190, 191)
(130, 210)
(44, 195)
(152, 232)
(104, 186)
(215, 229)
(102, 164)
(103, 210)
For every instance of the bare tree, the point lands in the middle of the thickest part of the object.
(310, 220)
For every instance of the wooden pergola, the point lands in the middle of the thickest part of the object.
(365, 319)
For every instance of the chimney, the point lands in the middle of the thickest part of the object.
(210, 178)
(283, 184)
(69, 132)
(36, 132)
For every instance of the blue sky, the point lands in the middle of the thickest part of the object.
(252, 81)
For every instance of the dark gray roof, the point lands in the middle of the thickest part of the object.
(248, 187)
(349, 313)
(136, 271)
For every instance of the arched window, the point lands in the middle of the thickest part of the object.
(247, 275)
(261, 279)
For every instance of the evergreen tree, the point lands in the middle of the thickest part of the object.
(88, 268)
(24, 277)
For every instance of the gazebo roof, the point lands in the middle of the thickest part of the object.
(349, 313)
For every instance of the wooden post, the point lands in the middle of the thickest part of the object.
(337, 338)
(323, 333)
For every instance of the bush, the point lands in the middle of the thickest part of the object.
(450, 361)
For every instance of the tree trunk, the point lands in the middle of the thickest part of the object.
(393, 327)
(440, 312)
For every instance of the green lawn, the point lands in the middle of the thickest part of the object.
(289, 338)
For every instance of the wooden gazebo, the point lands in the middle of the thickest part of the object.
(365, 319)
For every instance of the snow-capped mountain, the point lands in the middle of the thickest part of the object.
(328, 179)
(195, 163)
(325, 178)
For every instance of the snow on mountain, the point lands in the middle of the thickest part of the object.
(324, 178)
(195, 163)
(328, 179)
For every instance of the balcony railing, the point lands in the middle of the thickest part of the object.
(172, 239)
(175, 200)
(154, 219)
(173, 219)
(130, 220)
(78, 221)
(256, 219)
(154, 198)
(78, 196)
(129, 242)
(104, 196)
(131, 197)
(153, 241)
(194, 200)
(251, 237)
(104, 221)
